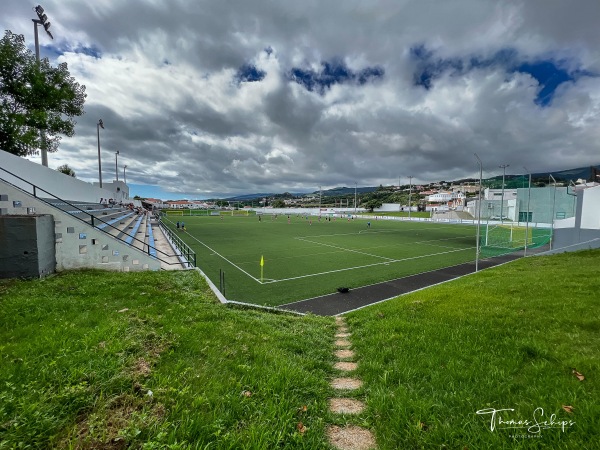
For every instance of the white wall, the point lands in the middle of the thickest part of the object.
(590, 211)
(56, 183)
(78, 244)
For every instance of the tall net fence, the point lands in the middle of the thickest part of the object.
(499, 240)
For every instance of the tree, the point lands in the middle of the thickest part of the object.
(66, 170)
(278, 203)
(372, 204)
(35, 99)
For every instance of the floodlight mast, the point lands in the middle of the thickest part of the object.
(98, 126)
(409, 195)
(41, 20)
(117, 164)
(503, 166)
(553, 207)
(528, 205)
(478, 213)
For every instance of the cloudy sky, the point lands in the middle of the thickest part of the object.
(215, 98)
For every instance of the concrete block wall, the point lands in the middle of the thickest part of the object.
(78, 244)
(27, 244)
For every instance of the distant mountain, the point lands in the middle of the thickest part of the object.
(344, 191)
(589, 173)
(511, 181)
(259, 196)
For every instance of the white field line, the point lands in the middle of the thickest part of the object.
(344, 249)
(367, 265)
(222, 257)
(430, 242)
(388, 260)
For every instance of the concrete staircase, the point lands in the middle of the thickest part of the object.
(90, 235)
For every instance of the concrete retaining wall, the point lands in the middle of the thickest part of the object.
(78, 244)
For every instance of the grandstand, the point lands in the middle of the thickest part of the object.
(90, 227)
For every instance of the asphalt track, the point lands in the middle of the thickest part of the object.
(338, 303)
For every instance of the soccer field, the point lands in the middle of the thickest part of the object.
(304, 257)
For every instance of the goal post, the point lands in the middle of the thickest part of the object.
(507, 238)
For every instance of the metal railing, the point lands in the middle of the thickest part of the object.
(181, 246)
(93, 221)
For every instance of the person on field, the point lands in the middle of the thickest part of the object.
(182, 226)
(178, 224)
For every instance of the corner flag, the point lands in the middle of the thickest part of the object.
(262, 264)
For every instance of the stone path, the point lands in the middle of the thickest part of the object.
(350, 437)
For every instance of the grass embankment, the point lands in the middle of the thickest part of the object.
(520, 336)
(76, 368)
(107, 360)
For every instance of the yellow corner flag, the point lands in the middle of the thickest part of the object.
(262, 264)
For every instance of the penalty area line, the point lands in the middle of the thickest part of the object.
(225, 259)
(366, 265)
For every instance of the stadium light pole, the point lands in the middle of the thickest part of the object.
(41, 20)
(409, 195)
(124, 176)
(355, 188)
(553, 206)
(478, 213)
(319, 199)
(528, 202)
(98, 126)
(503, 167)
(399, 201)
(117, 164)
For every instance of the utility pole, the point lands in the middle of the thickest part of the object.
(502, 166)
(409, 195)
(478, 213)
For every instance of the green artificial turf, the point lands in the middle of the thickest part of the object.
(305, 257)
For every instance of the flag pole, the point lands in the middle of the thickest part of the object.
(262, 264)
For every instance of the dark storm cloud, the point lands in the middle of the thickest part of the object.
(237, 96)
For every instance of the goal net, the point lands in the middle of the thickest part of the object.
(502, 239)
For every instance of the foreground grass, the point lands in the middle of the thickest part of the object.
(519, 336)
(148, 360)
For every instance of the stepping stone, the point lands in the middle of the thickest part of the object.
(344, 354)
(346, 406)
(343, 330)
(342, 343)
(351, 438)
(345, 365)
(340, 320)
(342, 335)
(346, 383)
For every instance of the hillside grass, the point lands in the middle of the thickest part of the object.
(149, 360)
(519, 336)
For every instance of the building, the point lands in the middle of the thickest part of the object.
(539, 205)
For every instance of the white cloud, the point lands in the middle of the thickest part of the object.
(165, 86)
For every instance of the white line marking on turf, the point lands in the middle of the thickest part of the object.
(367, 265)
(344, 249)
(221, 256)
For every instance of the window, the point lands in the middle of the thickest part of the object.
(525, 216)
